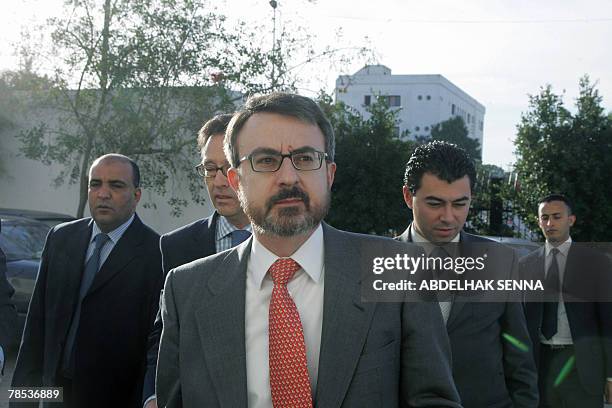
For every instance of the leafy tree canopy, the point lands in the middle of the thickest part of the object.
(569, 153)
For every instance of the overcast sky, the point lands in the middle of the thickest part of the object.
(498, 51)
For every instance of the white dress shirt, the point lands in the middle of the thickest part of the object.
(428, 247)
(306, 290)
(563, 335)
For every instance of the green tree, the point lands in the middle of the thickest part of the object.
(453, 130)
(367, 191)
(139, 77)
(561, 152)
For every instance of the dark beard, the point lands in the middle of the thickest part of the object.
(289, 221)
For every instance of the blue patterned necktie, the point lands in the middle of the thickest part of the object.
(239, 236)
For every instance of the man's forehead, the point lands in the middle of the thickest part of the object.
(213, 149)
(111, 169)
(276, 131)
(552, 207)
(434, 187)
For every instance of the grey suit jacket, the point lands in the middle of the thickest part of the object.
(372, 354)
(489, 371)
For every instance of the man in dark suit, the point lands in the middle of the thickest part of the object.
(95, 298)
(488, 370)
(225, 228)
(253, 327)
(576, 336)
(8, 314)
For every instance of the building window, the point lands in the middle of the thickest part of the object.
(417, 128)
(396, 131)
(394, 100)
(427, 128)
(469, 118)
(453, 109)
(367, 100)
(429, 97)
(420, 97)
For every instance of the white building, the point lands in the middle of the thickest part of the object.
(423, 100)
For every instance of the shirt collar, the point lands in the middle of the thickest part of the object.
(428, 246)
(225, 228)
(115, 234)
(310, 257)
(563, 248)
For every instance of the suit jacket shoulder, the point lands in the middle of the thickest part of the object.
(192, 241)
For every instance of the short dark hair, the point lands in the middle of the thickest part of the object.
(124, 159)
(214, 126)
(557, 197)
(444, 160)
(300, 107)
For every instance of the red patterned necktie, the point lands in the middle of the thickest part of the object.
(289, 381)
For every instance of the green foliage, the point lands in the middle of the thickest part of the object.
(454, 131)
(139, 77)
(561, 152)
(134, 77)
(367, 191)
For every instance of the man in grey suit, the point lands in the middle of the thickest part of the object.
(278, 321)
(489, 371)
(226, 227)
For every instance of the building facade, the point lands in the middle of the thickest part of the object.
(422, 100)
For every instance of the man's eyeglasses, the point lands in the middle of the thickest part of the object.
(209, 171)
(267, 162)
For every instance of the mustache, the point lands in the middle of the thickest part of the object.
(294, 192)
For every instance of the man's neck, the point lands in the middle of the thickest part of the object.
(239, 221)
(283, 247)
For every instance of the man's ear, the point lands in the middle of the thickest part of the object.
(408, 196)
(233, 178)
(572, 220)
(137, 194)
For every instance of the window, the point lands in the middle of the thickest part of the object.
(427, 128)
(394, 100)
(469, 118)
(429, 97)
(420, 97)
(396, 131)
(367, 99)
(453, 109)
(417, 128)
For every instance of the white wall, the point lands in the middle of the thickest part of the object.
(28, 184)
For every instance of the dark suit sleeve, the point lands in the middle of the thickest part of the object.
(148, 389)
(519, 367)
(426, 375)
(168, 373)
(29, 367)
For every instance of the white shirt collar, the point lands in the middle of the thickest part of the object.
(225, 228)
(115, 234)
(563, 248)
(310, 257)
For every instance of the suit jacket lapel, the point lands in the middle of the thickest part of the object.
(128, 247)
(220, 321)
(73, 268)
(345, 318)
(205, 241)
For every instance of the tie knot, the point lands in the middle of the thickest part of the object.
(555, 252)
(283, 270)
(100, 240)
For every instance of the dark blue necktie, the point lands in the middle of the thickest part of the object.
(239, 236)
(552, 285)
(89, 273)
